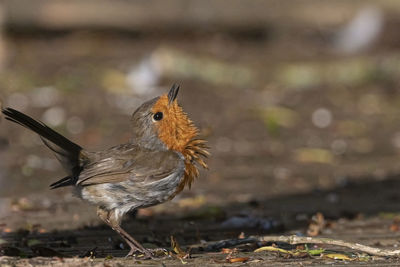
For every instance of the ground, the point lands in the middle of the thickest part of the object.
(295, 128)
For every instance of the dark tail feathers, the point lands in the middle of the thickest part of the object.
(67, 152)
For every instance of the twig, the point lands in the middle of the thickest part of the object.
(293, 240)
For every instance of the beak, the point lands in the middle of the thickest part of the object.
(173, 92)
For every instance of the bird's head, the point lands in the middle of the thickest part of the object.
(161, 123)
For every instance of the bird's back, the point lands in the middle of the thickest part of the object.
(128, 176)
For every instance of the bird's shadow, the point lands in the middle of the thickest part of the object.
(364, 196)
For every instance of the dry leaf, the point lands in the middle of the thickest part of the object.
(180, 254)
(241, 259)
(317, 224)
(228, 250)
(337, 256)
(175, 246)
(271, 248)
(298, 253)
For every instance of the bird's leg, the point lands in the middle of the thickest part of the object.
(111, 220)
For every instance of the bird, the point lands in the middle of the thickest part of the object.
(161, 158)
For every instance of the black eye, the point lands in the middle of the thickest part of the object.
(158, 116)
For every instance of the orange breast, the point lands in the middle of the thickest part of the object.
(179, 133)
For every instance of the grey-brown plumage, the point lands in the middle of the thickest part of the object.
(146, 171)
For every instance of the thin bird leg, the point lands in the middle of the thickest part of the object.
(110, 219)
(135, 245)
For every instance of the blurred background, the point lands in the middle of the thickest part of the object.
(299, 101)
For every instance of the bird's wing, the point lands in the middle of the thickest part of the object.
(129, 162)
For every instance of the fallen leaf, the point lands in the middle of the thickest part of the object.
(241, 259)
(228, 250)
(271, 248)
(298, 253)
(182, 261)
(337, 256)
(317, 224)
(180, 254)
(315, 252)
(175, 246)
(366, 257)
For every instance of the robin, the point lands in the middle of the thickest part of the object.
(159, 161)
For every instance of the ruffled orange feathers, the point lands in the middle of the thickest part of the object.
(179, 133)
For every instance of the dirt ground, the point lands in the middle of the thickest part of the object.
(295, 128)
